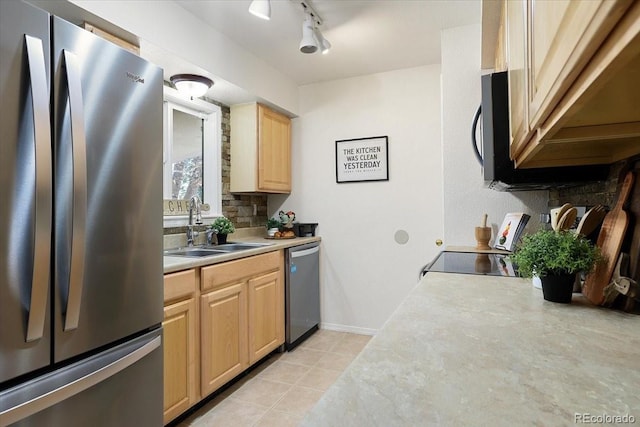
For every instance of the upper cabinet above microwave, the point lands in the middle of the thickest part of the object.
(574, 79)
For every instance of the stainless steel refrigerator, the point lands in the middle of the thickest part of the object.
(80, 227)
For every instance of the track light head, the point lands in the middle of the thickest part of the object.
(261, 9)
(323, 43)
(309, 43)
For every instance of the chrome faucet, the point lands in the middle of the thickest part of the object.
(194, 203)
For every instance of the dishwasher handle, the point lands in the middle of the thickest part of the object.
(304, 252)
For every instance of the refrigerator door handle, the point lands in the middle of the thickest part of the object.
(79, 153)
(43, 189)
(48, 398)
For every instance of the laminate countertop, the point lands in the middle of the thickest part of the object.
(178, 263)
(465, 350)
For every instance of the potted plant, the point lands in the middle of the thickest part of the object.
(556, 257)
(273, 225)
(222, 226)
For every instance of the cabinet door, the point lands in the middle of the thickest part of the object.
(180, 376)
(266, 315)
(565, 34)
(274, 151)
(223, 330)
(517, 64)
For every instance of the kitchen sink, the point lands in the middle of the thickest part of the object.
(194, 252)
(211, 250)
(232, 247)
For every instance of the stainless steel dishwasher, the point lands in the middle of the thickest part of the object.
(302, 293)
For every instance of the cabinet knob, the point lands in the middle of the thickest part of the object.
(438, 242)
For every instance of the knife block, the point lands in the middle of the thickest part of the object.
(483, 235)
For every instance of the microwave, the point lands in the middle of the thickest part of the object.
(498, 168)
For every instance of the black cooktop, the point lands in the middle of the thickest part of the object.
(472, 263)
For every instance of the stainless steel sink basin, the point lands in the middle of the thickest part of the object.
(232, 247)
(194, 252)
(211, 250)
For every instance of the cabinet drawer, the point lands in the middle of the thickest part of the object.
(221, 274)
(180, 284)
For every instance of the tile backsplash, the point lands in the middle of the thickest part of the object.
(604, 193)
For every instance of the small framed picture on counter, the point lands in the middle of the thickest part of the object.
(362, 159)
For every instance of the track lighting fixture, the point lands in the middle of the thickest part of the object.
(309, 43)
(312, 38)
(323, 43)
(191, 85)
(261, 9)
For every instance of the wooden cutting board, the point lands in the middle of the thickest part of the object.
(567, 219)
(610, 240)
(634, 212)
(591, 221)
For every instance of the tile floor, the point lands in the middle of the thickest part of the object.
(284, 387)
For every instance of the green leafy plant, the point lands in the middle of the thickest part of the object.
(222, 225)
(273, 223)
(547, 253)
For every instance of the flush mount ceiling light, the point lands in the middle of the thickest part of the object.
(312, 38)
(191, 85)
(261, 9)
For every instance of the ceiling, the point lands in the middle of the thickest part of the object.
(368, 36)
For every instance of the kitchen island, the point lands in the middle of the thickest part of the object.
(484, 350)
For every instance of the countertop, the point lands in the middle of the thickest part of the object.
(175, 263)
(489, 351)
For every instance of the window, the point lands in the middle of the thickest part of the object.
(191, 160)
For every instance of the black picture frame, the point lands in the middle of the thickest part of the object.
(362, 159)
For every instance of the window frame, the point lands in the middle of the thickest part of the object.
(211, 152)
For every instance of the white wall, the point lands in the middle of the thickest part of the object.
(465, 198)
(364, 272)
(189, 38)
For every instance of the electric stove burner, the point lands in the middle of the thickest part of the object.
(472, 263)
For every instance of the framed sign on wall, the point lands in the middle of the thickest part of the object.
(362, 159)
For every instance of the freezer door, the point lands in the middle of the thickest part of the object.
(119, 387)
(108, 192)
(25, 186)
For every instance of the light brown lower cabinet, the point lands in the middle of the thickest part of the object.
(180, 343)
(223, 331)
(238, 321)
(266, 315)
(242, 316)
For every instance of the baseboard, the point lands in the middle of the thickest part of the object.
(346, 328)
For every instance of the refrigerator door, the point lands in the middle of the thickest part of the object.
(119, 387)
(25, 185)
(108, 192)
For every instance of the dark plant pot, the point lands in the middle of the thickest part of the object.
(222, 239)
(558, 288)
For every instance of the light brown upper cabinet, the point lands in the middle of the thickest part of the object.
(260, 150)
(574, 67)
